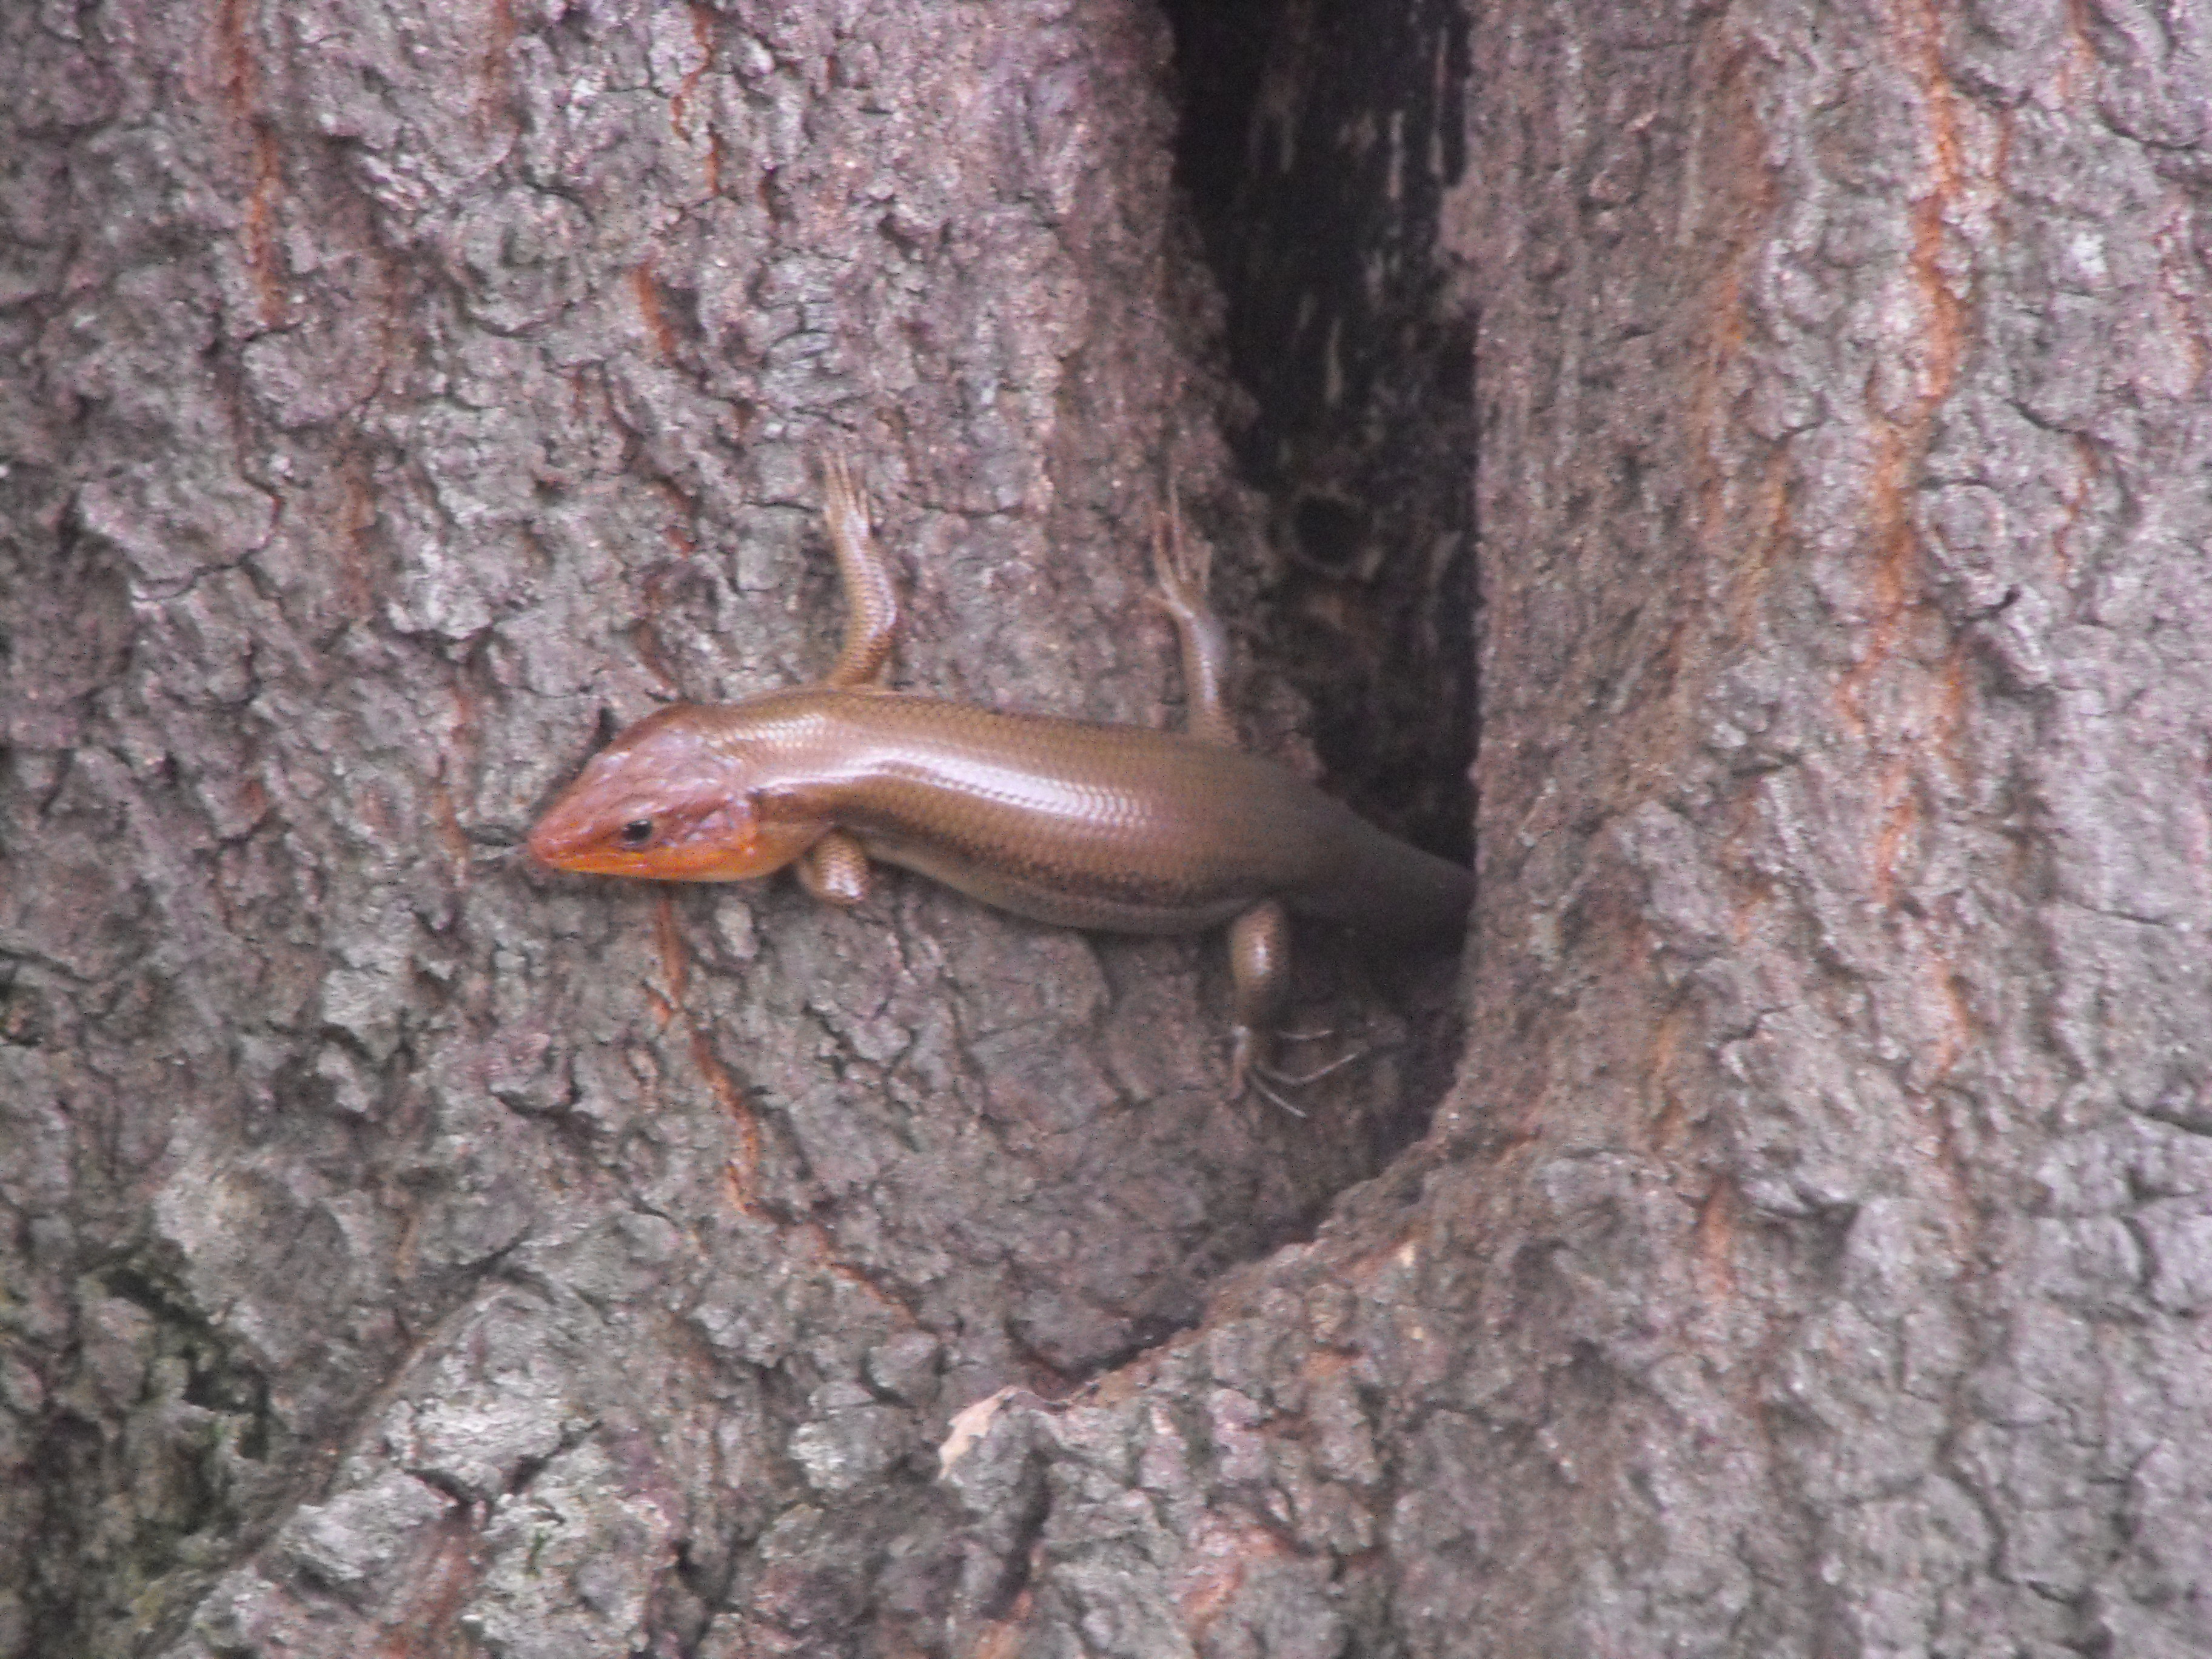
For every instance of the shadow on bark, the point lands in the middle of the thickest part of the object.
(408, 1250)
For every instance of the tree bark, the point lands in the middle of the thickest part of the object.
(409, 1251)
(1809, 1259)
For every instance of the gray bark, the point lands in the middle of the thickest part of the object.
(409, 1251)
(1810, 1258)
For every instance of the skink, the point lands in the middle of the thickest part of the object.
(1078, 825)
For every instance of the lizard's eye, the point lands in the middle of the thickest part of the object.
(637, 832)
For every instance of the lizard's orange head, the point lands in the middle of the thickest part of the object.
(661, 801)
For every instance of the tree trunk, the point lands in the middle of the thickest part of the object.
(410, 1251)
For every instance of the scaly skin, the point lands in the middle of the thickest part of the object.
(1113, 827)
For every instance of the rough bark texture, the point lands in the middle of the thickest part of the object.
(407, 1252)
(407, 1248)
(1813, 1257)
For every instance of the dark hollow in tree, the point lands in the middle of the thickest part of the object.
(1808, 1255)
